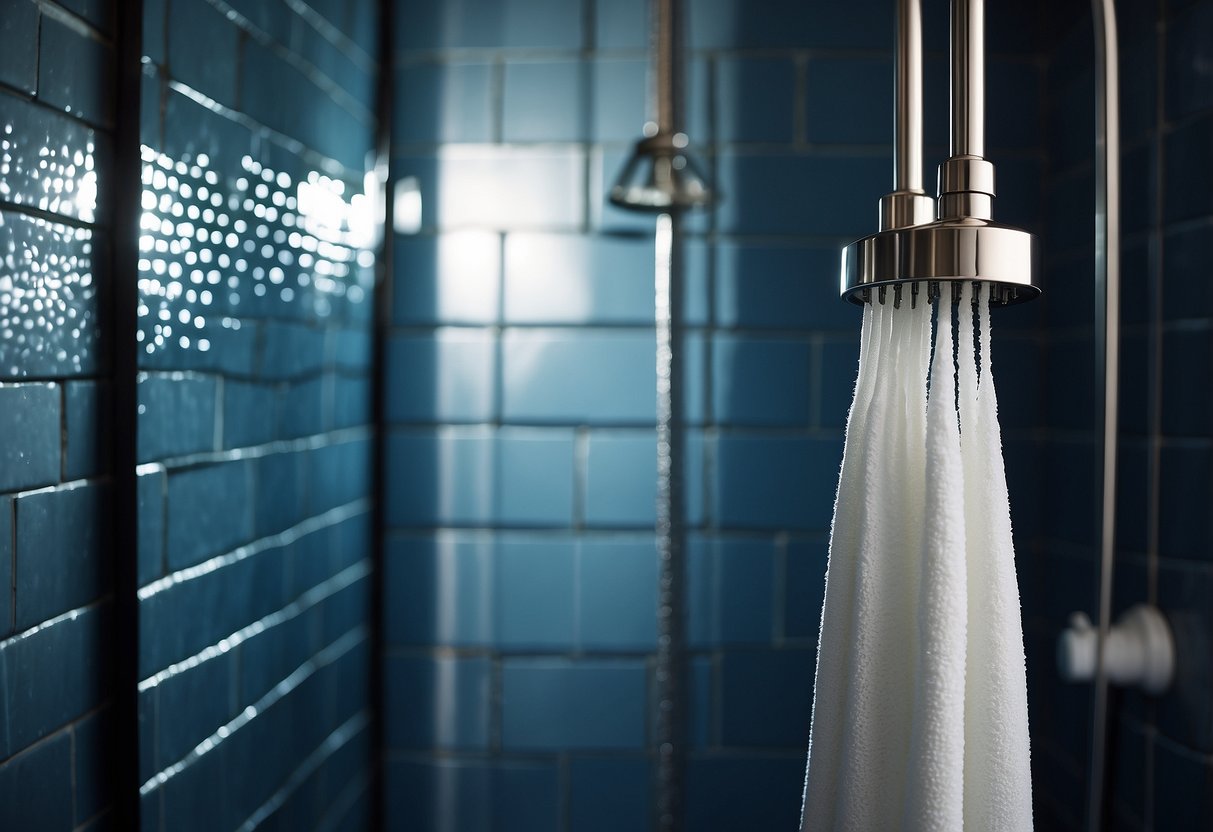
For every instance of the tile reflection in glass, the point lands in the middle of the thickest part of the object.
(58, 176)
(48, 315)
(214, 249)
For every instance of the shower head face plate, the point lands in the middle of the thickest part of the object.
(944, 251)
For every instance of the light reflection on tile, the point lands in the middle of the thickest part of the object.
(48, 298)
(49, 164)
(214, 250)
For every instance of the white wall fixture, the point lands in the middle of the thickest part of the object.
(1138, 650)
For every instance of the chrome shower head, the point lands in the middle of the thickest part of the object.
(661, 175)
(963, 243)
(947, 250)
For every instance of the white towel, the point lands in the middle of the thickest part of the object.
(908, 731)
(998, 780)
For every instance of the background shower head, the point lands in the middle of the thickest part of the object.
(661, 175)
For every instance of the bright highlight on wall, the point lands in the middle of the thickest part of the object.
(213, 250)
(47, 291)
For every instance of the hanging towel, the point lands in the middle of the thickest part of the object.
(998, 781)
(908, 731)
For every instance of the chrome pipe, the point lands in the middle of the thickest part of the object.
(908, 204)
(966, 179)
(666, 80)
(1107, 329)
(907, 118)
(968, 89)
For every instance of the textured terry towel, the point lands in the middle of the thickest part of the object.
(920, 703)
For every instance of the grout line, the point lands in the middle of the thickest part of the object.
(52, 735)
(309, 599)
(292, 145)
(328, 519)
(329, 746)
(327, 656)
(51, 217)
(310, 442)
(339, 808)
(321, 80)
(71, 20)
(333, 34)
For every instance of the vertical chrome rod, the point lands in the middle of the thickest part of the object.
(1107, 334)
(664, 48)
(671, 533)
(968, 78)
(907, 115)
(907, 204)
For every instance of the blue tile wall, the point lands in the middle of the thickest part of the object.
(761, 381)
(19, 66)
(576, 279)
(467, 795)
(560, 704)
(608, 793)
(616, 594)
(1160, 745)
(66, 527)
(33, 783)
(74, 71)
(742, 116)
(521, 490)
(443, 377)
(730, 589)
(254, 416)
(568, 376)
(56, 111)
(444, 103)
(725, 790)
(31, 455)
(534, 594)
(454, 693)
(539, 99)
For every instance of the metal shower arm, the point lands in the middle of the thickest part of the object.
(907, 117)
(966, 179)
(968, 78)
(666, 81)
(907, 205)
